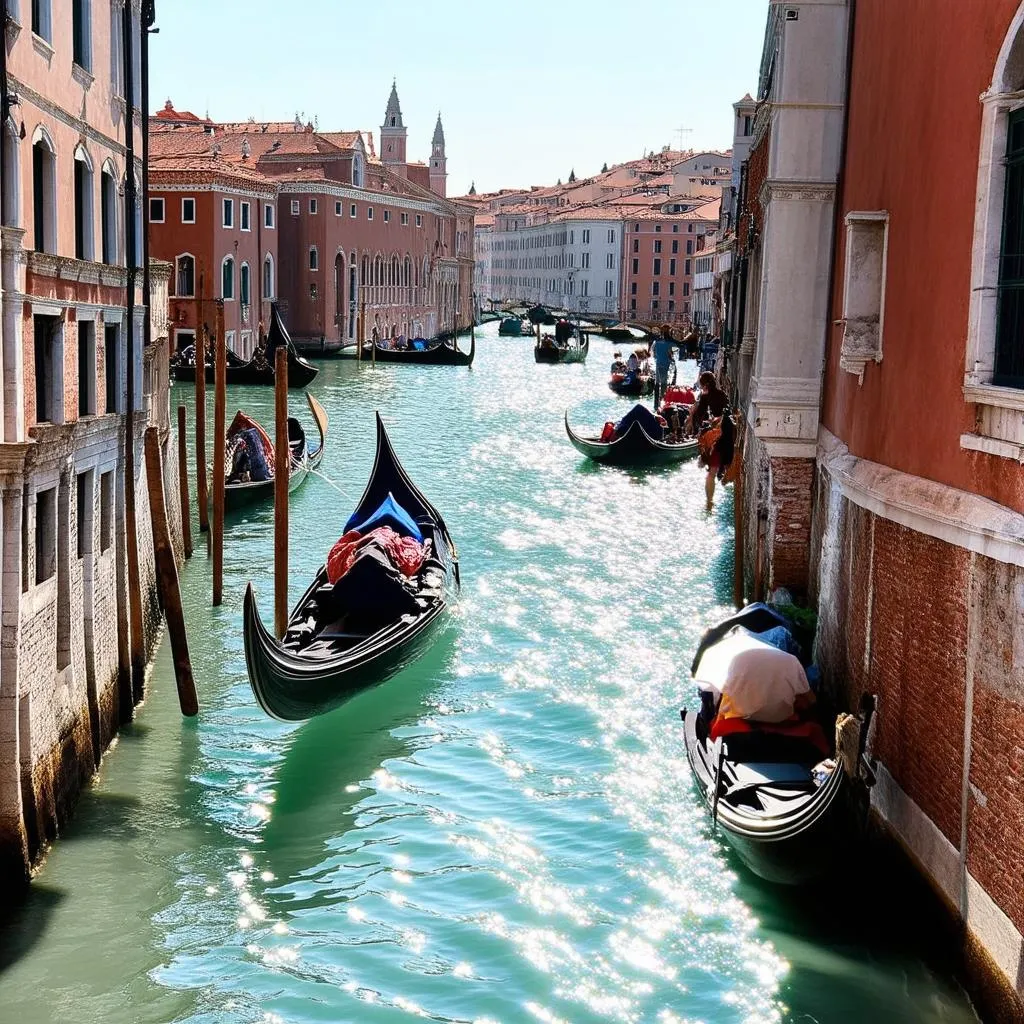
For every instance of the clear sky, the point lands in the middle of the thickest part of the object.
(527, 89)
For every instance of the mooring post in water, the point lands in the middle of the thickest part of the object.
(167, 577)
(201, 340)
(282, 459)
(220, 374)
(186, 511)
(360, 330)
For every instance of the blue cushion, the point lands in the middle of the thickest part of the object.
(389, 513)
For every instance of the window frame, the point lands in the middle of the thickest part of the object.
(314, 207)
(314, 259)
(163, 210)
(244, 215)
(296, 207)
(184, 200)
(223, 266)
(268, 216)
(227, 213)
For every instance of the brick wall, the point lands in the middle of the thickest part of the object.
(789, 523)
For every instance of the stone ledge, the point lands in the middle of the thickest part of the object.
(992, 446)
(937, 510)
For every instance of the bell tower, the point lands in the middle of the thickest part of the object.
(393, 133)
(438, 162)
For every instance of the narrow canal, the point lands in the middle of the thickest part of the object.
(504, 833)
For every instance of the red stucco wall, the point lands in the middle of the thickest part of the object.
(915, 124)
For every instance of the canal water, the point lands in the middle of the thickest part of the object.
(506, 832)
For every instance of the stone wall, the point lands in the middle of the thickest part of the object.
(909, 612)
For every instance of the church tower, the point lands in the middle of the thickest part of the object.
(438, 163)
(393, 135)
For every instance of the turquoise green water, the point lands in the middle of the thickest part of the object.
(505, 832)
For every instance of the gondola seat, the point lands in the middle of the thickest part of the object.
(388, 513)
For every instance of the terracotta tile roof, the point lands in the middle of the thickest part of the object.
(168, 113)
(205, 169)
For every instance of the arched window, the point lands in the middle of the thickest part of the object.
(357, 169)
(12, 178)
(44, 191)
(184, 276)
(364, 271)
(314, 258)
(227, 279)
(407, 272)
(268, 276)
(243, 284)
(995, 349)
(108, 213)
(84, 249)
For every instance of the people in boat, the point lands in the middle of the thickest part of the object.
(663, 346)
(633, 362)
(618, 366)
(710, 419)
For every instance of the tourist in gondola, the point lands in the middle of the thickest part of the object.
(618, 366)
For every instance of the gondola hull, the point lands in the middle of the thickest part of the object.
(296, 683)
(511, 327)
(635, 448)
(445, 354)
(300, 373)
(800, 843)
(640, 385)
(562, 354)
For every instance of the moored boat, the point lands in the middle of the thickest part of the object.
(774, 788)
(260, 368)
(304, 457)
(633, 447)
(345, 636)
(511, 327)
(442, 352)
(572, 349)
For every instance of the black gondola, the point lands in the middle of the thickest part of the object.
(635, 448)
(511, 327)
(305, 457)
(632, 385)
(572, 351)
(319, 664)
(259, 369)
(540, 315)
(440, 353)
(787, 822)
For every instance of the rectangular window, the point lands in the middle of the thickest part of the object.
(671, 287)
(111, 367)
(156, 211)
(369, 213)
(675, 231)
(41, 19)
(571, 237)
(632, 288)
(632, 305)
(686, 267)
(228, 216)
(656, 288)
(689, 247)
(672, 267)
(387, 216)
(419, 221)
(689, 227)
(611, 235)
(84, 512)
(48, 365)
(671, 305)
(86, 367)
(337, 208)
(312, 206)
(657, 245)
(584, 287)
(654, 304)
(686, 288)
(585, 261)
(636, 266)
(314, 258)
(636, 245)
(268, 215)
(243, 216)
(586, 236)
(352, 210)
(657, 227)
(46, 534)
(296, 208)
(229, 341)
(405, 218)
(657, 267)
(188, 211)
(81, 34)
(106, 510)
(675, 245)
(610, 261)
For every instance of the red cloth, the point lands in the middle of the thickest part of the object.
(608, 434)
(242, 422)
(405, 552)
(793, 727)
(679, 396)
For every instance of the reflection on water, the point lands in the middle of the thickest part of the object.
(506, 831)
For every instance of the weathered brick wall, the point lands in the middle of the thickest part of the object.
(789, 523)
(995, 816)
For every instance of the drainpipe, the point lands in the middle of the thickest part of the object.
(148, 18)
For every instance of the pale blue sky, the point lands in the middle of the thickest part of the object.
(527, 89)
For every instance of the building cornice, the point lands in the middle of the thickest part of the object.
(156, 186)
(796, 190)
(393, 199)
(65, 268)
(937, 510)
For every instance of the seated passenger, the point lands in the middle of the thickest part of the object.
(618, 366)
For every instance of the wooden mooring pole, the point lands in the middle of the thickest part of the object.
(201, 492)
(220, 374)
(737, 509)
(167, 576)
(186, 510)
(282, 458)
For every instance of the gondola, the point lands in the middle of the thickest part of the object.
(259, 369)
(510, 327)
(788, 822)
(574, 352)
(443, 353)
(305, 457)
(633, 385)
(317, 666)
(635, 448)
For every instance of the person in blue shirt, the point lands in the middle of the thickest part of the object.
(662, 345)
